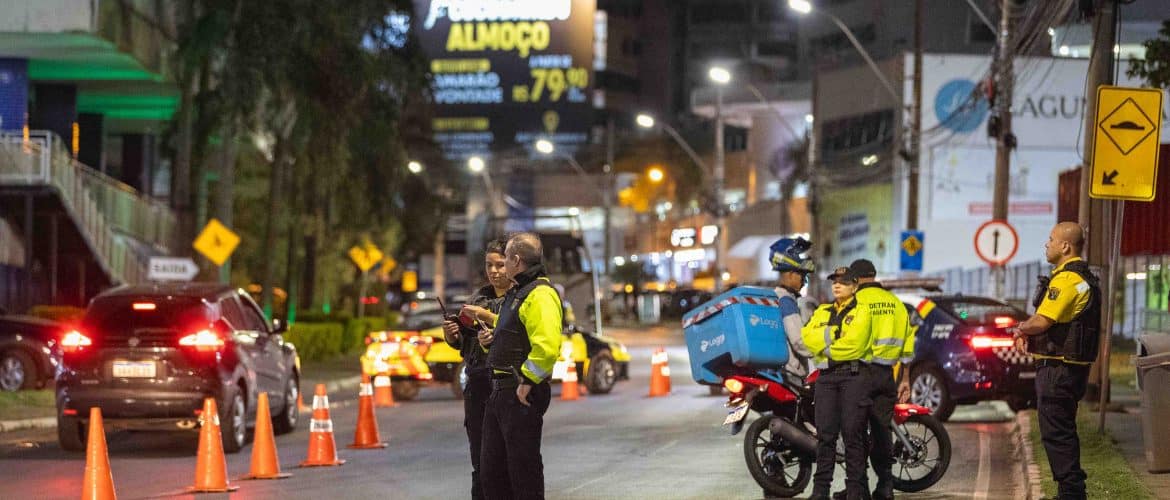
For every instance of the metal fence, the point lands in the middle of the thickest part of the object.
(1140, 301)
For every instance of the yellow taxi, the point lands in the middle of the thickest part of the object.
(415, 354)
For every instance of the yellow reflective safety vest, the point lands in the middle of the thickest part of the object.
(892, 338)
(838, 334)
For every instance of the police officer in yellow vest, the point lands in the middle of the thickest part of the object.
(838, 334)
(525, 343)
(892, 342)
(1063, 337)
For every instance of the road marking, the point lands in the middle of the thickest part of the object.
(983, 478)
(587, 483)
(663, 448)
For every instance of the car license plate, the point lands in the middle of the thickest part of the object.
(736, 414)
(134, 369)
(1027, 375)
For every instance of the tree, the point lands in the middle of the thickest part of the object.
(1155, 68)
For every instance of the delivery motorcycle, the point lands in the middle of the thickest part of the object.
(780, 446)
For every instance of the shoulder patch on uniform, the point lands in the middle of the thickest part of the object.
(1053, 293)
(1082, 287)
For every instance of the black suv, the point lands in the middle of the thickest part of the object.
(148, 355)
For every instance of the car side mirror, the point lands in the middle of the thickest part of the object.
(279, 326)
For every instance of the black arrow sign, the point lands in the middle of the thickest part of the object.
(1107, 178)
(995, 243)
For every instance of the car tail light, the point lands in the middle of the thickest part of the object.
(203, 341)
(981, 342)
(75, 341)
(69, 412)
(733, 386)
(144, 306)
(1004, 321)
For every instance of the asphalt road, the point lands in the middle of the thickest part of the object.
(621, 445)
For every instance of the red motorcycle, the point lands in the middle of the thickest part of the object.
(780, 446)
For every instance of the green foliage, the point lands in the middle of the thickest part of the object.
(1155, 68)
(356, 329)
(316, 341)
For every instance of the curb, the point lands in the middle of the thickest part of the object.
(1030, 469)
(28, 423)
(333, 387)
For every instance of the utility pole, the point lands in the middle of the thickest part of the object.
(720, 217)
(440, 277)
(1005, 140)
(915, 145)
(607, 195)
(1095, 216)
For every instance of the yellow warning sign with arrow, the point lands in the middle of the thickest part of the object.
(1125, 143)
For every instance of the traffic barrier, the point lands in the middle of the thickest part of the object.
(210, 464)
(383, 394)
(659, 374)
(569, 389)
(99, 482)
(265, 460)
(366, 436)
(322, 448)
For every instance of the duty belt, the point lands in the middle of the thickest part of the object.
(853, 365)
(504, 383)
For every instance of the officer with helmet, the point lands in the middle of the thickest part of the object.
(788, 257)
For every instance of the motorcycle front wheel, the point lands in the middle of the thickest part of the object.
(923, 463)
(775, 464)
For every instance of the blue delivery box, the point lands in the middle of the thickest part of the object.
(740, 328)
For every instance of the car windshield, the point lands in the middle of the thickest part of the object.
(125, 316)
(977, 311)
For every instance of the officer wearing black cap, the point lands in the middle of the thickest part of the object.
(1063, 337)
(838, 334)
(892, 342)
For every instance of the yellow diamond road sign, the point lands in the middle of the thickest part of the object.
(216, 242)
(912, 245)
(1125, 143)
(365, 256)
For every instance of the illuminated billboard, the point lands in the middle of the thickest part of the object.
(507, 72)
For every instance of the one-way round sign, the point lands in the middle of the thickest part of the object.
(171, 269)
(996, 242)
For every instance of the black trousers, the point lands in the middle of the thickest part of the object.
(510, 463)
(842, 401)
(1059, 387)
(475, 398)
(881, 439)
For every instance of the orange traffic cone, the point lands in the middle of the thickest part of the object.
(210, 464)
(99, 482)
(265, 460)
(383, 395)
(659, 374)
(366, 437)
(569, 390)
(322, 448)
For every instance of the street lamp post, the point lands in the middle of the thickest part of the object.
(721, 77)
(546, 147)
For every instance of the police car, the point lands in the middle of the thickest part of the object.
(964, 353)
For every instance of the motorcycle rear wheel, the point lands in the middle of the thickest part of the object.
(920, 468)
(775, 465)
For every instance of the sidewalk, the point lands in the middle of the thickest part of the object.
(1126, 429)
